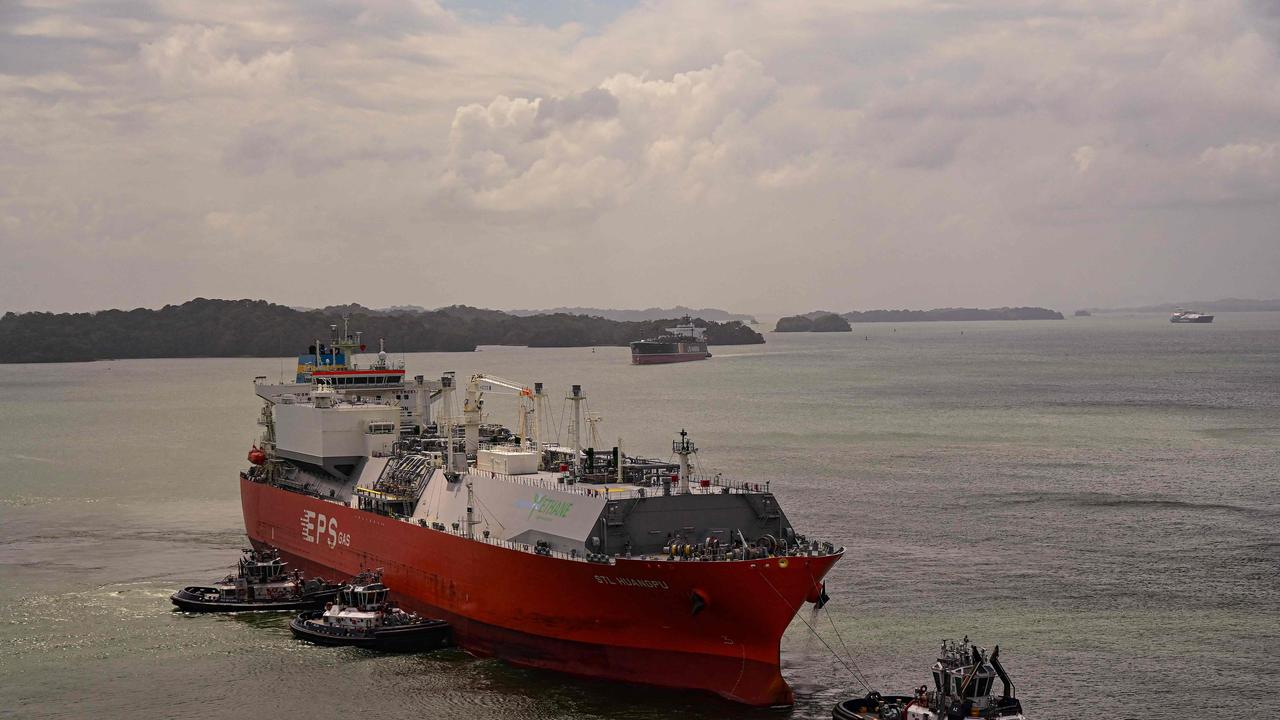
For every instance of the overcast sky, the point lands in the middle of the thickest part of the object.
(767, 157)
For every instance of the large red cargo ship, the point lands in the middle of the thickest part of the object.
(591, 563)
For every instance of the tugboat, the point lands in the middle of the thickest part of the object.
(962, 680)
(363, 617)
(260, 583)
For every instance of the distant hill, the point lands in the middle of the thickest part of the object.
(647, 314)
(654, 313)
(1224, 305)
(813, 322)
(256, 328)
(948, 314)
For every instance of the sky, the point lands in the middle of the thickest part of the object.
(759, 156)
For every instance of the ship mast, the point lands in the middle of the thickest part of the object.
(471, 516)
(446, 402)
(684, 447)
(575, 431)
(593, 419)
(539, 400)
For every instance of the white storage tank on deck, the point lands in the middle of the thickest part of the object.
(507, 462)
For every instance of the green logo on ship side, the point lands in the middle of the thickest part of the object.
(547, 506)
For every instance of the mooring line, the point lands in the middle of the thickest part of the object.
(856, 675)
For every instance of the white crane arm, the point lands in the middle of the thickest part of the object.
(500, 382)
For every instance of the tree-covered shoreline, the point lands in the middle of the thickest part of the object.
(824, 321)
(953, 314)
(256, 328)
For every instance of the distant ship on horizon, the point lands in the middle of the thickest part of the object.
(1189, 316)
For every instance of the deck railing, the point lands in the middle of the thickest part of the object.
(699, 484)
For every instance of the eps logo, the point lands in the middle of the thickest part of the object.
(316, 528)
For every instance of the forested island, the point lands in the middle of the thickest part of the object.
(653, 313)
(256, 328)
(944, 314)
(820, 322)
(825, 321)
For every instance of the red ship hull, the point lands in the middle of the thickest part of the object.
(632, 621)
(656, 358)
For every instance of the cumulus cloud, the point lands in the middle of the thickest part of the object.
(1243, 171)
(927, 153)
(201, 55)
(694, 135)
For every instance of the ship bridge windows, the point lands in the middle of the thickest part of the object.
(381, 428)
(359, 380)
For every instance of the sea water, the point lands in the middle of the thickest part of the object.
(1097, 495)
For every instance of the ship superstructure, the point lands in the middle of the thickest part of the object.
(578, 558)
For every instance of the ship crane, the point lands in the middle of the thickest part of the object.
(474, 402)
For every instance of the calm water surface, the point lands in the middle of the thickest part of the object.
(1098, 496)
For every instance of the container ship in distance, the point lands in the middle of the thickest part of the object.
(682, 343)
(576, 559)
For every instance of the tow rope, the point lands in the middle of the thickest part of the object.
(849, 665)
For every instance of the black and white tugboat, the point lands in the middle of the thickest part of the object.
(362, 616)
(962, 682)
(260, 583)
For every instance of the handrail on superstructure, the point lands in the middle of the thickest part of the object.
(604, 490)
